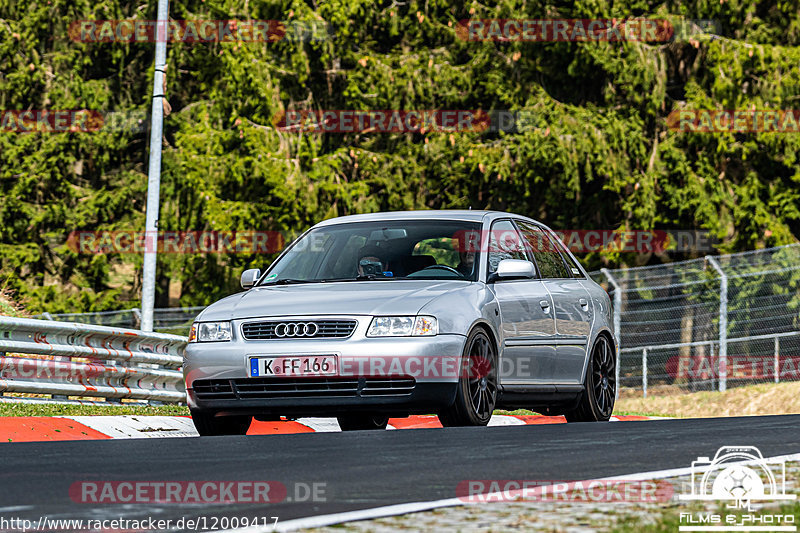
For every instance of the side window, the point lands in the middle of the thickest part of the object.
(544, 251)
(573, 267)
(504, 243)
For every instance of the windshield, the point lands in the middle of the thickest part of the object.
(380, 250)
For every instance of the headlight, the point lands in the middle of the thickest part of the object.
(210, 332)
(403, 326)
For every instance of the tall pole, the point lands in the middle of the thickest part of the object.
(154, 171)
(723, 323)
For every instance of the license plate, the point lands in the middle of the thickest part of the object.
(302, 365)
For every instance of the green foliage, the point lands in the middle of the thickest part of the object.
(598, 152)
(54, 409)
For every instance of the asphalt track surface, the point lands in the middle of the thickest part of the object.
(367, 469)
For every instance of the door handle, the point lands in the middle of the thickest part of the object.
(545, 305)
(584, 303)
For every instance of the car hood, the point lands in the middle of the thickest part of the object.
(399, 297)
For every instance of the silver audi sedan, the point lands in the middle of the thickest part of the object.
(367, 317)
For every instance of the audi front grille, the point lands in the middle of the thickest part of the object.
(298, 329)
(282, 388)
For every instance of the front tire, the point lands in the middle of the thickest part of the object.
(362, 422)
(208, 425)
(599, 387)
(477, 385)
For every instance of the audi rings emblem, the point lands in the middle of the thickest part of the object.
(296, 329)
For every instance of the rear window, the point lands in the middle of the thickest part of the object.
(571, 264)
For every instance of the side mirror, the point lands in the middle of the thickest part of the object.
(514, 269)
(249, 277)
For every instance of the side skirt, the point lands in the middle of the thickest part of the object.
(548, 399)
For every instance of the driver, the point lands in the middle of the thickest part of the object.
(370, 261)
(466, 264)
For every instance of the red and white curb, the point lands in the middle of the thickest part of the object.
(61, 428)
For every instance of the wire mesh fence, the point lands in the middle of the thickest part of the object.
(175, 320)
(709, 323)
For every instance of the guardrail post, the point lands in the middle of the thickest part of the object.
(617, 318)
(644, 372)
(137, 317)
(777, 360)
(723, 323)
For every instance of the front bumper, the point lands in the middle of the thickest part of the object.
(401, 375)
(423, 399)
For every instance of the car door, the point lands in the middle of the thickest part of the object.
(572, 307)
(526, 313)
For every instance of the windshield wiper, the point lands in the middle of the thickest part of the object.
(363, 277)
(289, 281)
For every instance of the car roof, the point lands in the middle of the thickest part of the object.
(441, 214)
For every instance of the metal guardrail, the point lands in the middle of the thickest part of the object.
(85, 360)
(713, 367)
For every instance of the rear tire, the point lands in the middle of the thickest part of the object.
(599, 387)
(209, 425)
(477, 385)
(362, 422)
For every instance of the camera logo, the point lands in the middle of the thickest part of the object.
(738, 474)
